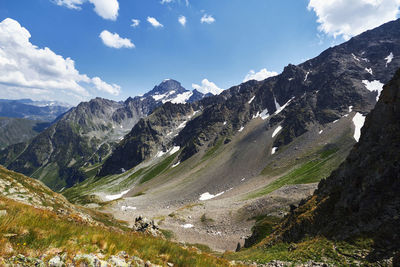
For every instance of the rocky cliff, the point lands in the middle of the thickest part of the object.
(361, 198)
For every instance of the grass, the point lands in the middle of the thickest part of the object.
(37, 231)
(312, 171)
(158, 169)
(263, 227)
(318, 249)
(212, 150)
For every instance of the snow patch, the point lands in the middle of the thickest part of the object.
(358, 121)
(126, 208)
(181, 98)
(207, 196)
(277, 130)
(182, 125)
(335, 121)
(389, 58)
(274, 149)
(251, 100)
(160, 154)
(306, 77)
(374, 86)
(176, 164)
(159, 97)
(174, 150)
(264, 114)
(241, 129)
(114, 197)
(350, 109)
(187, 226)
(320, 132)
(279, 109)
(369, 70)
(243, 179)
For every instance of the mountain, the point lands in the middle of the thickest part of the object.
(15, 130)
(254, 149)
(317, 92)
(360, 199)
(172, 91)
(85, 135)
(46, 111)
(41, 228)
(364, 190)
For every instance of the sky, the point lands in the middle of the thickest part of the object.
(75, 50)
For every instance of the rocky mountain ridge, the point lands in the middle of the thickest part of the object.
(86, 135)
(33, 110)
(318, 91)
(360, 198)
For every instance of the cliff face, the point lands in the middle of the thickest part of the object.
(362, 197)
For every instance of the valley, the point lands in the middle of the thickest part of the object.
(298, 169)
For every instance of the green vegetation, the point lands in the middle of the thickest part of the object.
(158, 169)
(34, 232)
(205, 219)
(213, 149)
(320, 249)
(312, 171)
(263, 227)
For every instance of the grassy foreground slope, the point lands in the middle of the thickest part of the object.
(34, 228)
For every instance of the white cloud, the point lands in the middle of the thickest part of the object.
(27, 70)
(72, 4)
(115, 41)
(135, 23)
(207, 19)
(166, 1)
(207, 87)
(107, 9)
(112, 89)
(349, 18)
(259, 76)
(182, 20)
(154, 22)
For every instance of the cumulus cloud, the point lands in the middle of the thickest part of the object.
(154, 22)
(27, 70)
(259, 76)
(348, 18)
(72, 4)
(182, 20)
(207, 87)
(135, 23)
(107, 9)
(207, 19)
(115, 41)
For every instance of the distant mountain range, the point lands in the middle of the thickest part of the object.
(45, 111)
(85, 135)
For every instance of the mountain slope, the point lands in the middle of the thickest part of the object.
(33, 110)
(361, 197)
(317, 92)
(86, 135)
(41, 228)
(16, 130)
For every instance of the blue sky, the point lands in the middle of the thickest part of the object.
(245, 35)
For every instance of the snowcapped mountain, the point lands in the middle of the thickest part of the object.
(172, 91)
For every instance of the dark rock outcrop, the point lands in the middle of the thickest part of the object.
(360, 198)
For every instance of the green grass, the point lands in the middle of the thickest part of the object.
(313, 171)
(213, 149)
(36, 231)
(158, 169)
(320, 249)
(263, 227)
